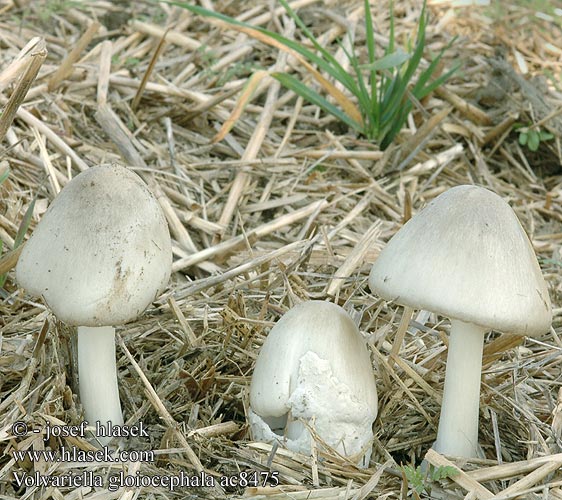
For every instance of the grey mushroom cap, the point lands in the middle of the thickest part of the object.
(467, 257)
(102, 251)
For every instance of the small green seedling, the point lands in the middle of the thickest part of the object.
(419, 481)
(532, 137)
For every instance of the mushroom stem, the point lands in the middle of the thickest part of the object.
(457, 434)
(97, 377)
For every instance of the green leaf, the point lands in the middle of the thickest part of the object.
(420, 93)
(415, 478)
(393, 60)
(418, 51)
(443, 472)
(534, 140)
(420, 89)
(5, 275)
(544, 135)
(354, 61)
(4, 174)
(325, 53)
(362, 95)
(390, 47)
(390, 132)
(313, 97)
(24, 226)
(372, 54)
(523, 136)
(20, 235)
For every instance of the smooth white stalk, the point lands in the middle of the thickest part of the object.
(457, 434)
(97, 374)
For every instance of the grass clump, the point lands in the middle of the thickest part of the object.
(380, 93)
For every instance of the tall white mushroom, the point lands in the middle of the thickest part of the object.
(98, 257)
(465, 256)
(314, 366)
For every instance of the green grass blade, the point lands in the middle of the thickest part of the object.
(4, 174)
(24, 226)
(325, 53)
(355, 86)
(393, 94)
(394, 127)
(389, 61)
(393, 98)
(391, 87)
(385, 84)
(20, 235)
(362, 93)
(372, 55)
(390, 47)
(4, 276)
(313, 97)
(420, 93)
(420, 90)
(418, 50)
(434, 62)
(304, 29)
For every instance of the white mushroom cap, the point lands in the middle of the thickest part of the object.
(467, 257)
(102, 251)
(323, 328)
(315, 363)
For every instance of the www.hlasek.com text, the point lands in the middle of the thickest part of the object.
(74, 455)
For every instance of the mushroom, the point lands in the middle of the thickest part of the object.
(99, 256)
(465, 256)
(314, 367)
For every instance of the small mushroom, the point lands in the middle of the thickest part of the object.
(99, 256)
(465, 256)
(314, 366)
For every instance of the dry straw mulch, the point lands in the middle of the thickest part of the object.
(288, 206)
